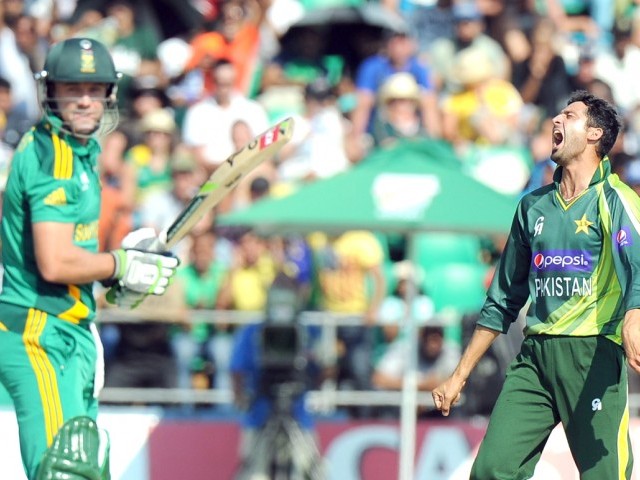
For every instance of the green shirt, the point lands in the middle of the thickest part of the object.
(577, 261)
(53, 178)
(201, 292)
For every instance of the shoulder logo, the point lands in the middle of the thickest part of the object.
(583, 224)
(623, 237)
(537, 229)
(57, 197)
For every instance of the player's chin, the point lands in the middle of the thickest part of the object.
(85, 127)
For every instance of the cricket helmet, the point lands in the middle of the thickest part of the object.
(79, 60)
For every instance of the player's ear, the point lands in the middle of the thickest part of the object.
(594, 134)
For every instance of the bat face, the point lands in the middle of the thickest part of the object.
(224, 179)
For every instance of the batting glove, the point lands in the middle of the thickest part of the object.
(143, 272)
(140, 239)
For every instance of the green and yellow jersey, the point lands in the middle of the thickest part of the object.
(53, 178)
(575, 260)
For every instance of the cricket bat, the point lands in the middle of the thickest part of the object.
(222, 181)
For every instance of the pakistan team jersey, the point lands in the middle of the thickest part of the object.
(576, 260)
(53, 178)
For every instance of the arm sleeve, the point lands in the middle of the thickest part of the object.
(422, 75)
(625, 240)
(366, 78)
(50, 199)
(509, 288)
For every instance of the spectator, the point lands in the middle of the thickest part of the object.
(430, 20)
(13, 121)
(436, 360)
(246, 283)
(300, 62)
(398, 111)
(225, 107)
(620, 68)
(29, 42)
(118, 198)
(134, 45)
(198, 344)
(394, 312)
(146, 96)
(585, 72)
(15, 68)
(236, 39)
(142, 356)
(151, 159)
(542, 78)
(398, 56)
(161, 208)
(469, 32)
(351, 282)
(581, 21)
(486, 110)
(318, 147)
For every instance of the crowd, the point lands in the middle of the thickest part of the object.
(483, 76)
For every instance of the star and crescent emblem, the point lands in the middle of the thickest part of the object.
(583, 224)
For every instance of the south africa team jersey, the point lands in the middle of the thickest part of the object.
(53, 178)
(576, 260)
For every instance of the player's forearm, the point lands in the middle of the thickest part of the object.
(386, 382)
(631, 338)
(59, 260)
(480, 342)
(77, 266)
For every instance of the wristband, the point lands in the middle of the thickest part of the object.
(120, 260)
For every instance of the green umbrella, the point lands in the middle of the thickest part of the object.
(416, 186)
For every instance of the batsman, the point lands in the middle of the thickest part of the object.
(51, 362)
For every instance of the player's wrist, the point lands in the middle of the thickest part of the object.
(120, 263)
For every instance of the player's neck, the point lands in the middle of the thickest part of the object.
(575, 180)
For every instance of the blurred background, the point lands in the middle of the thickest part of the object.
(418, 126)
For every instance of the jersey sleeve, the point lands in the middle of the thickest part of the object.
(51, 193)
(625, 243)
(509, 288)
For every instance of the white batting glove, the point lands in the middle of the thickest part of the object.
(125, 298)
(143, 272)
(140, 239)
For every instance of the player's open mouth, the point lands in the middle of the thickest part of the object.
(557, 137)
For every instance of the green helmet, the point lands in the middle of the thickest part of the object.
(79, 60)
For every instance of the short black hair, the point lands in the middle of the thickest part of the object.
(600, 114)
(5, 84)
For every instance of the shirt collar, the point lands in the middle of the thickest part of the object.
(602, 172)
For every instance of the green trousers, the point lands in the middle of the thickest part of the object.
(580, 382)
(48, 366)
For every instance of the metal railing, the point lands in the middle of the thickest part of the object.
(326, 400)
(322, 401)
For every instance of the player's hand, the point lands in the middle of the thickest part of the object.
(143, 272)
(631, 338)
(125, 298)
(447, 394)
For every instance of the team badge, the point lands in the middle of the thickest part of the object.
(583, 225)
(87, 60)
